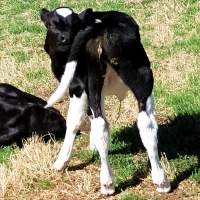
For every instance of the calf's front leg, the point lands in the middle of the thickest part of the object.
(76, 114)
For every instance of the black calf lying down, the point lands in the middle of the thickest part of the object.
(22, 114)
(111, 61)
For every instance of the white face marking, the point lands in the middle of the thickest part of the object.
(98, 21)
(64, 12)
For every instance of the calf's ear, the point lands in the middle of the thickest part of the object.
(45, 16)
(86, 17)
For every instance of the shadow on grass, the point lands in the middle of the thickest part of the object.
(179, 137)
(84, 164)
(133, 181)
(79, 166)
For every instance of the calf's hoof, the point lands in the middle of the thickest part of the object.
(164, 187)
(107, 189)
(161, 181)
(60, 165)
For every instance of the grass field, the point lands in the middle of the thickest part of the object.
(170, 31)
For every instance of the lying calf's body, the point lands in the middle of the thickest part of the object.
(22, 114)
(112, 61)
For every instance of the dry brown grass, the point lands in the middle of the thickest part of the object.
(164, 15)
(197, 17)
(31, 167)
(27, 165)
(170, 169)
(125, 115)
(16, 73)
(176, 69)
(186, 191)
(163, 112)
(30, 176)
(8, 70)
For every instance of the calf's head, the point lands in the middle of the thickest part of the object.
(46, 122)
(62, 26)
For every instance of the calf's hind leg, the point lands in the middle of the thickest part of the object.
(148, 132)
(99, 130)
(142, 86)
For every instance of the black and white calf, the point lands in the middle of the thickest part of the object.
(23, 114)
(110, 62)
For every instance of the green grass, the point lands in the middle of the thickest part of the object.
(37, 74)
(22, 35)
(190, 45)
(5, 153)
(129, 174)
(131, 196)
(20, 56)
(196, 175)
(21, 24)
(186, 101)
(42, 184)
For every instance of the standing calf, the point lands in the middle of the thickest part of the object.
(110, 62)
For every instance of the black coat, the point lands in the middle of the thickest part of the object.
(22, 114)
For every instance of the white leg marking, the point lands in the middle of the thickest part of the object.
(92, 146)
(64, 84)
(76, 113)
(148, 132)
(64, 12)
(101, 143)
